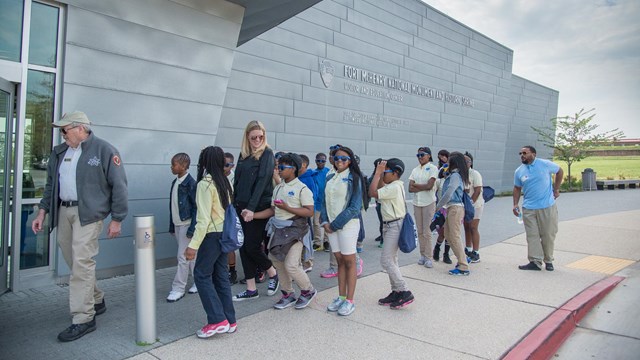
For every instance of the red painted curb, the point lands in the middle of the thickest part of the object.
(545, 339)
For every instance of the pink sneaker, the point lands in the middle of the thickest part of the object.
(233, 327)
(211, 329)
(359, 266)
(329, 273)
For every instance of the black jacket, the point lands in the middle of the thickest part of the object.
(252, 186)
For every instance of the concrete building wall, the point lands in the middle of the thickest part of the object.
(152, 75)
(276, 78)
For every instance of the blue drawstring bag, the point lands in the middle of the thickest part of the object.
(488, 193)
(408, 240)
(232, 235)
(469, 210)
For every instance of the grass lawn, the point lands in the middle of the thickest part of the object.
(613, 167)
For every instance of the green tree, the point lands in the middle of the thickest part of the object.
(572, 136)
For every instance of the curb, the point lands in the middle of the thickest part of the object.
(545, 339)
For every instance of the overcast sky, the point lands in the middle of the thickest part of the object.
(588, 50)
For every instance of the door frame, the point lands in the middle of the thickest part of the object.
(7, 207)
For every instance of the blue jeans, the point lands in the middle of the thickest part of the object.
(211, 276)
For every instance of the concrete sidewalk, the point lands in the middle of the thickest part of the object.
(480, 316)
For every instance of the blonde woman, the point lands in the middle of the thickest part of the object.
(253, 190)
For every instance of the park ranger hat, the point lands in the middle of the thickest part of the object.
(77, 117)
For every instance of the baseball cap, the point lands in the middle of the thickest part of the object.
(77, 117)
(424, 149)
(396, 165)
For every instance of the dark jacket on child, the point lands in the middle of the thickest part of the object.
(186, 203)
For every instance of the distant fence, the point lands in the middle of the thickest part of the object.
(633, 152)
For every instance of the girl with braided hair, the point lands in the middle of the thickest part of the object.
(211, 275)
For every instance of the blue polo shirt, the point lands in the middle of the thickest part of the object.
(535, 181)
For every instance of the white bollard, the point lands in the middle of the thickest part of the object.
(145, 273)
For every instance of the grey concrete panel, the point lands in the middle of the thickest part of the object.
(474, 54)
(451, 141)
(95, 68)
(241, 80)
(238, 119)
(441, 40)
(529, 115)
(417, 7)
(499, 118)
(402, 137)
(324, 129)
(146, 181)
(531, 108)
(96, 31)
(185, 21)
(320, 18)
(475, 88)
(491, 145)
(126, 110)
(221, 9)
(317, 112)
(445, 31)
(359, 33)
(308, 29)
(372, 24)
(438, 50)
(402, 111)
(239, 99)
(347, 3)
(530, 85)
(367, 49)
(500, 54)
(232, 138)
(428, 58)
(273, 69)
(505, 82)
(365, 62)
(333, 8)
(279, 53)
(313, 144)
(423, 103)
(479, 65)
(386, 149)
(402, 11)
(295, 41)
(456, 120)
(479, 75)
(504, 92)
(339, 99)
(499, 136)
(456, 109)
(428, 72)
(488, 154)
(448, 22)
(386, 16)
(460, 130)
(504, 101)
(489, 42)
(141, 146)
(534, 94)
(504, 110)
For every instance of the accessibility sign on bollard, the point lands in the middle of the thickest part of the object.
(145, 273)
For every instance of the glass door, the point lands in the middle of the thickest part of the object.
(6, 120)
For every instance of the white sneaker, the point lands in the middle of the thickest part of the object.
(175, 296)
(422, 260)
(193, 289)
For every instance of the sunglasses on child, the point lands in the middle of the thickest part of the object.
(388, 171)
(228, 165)
(335, 147)
(321, 161)
(421, 155)
(283, 167)
(341, 158)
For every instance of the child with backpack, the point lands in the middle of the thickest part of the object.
(213, 196)
(389, 189)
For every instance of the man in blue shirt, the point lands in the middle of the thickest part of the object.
(539, 211)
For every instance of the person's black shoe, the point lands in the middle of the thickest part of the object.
(390, 299)
(405, 298)
(100, 308)
(233, 277)
(76, 331)
(379, 238)
(548, 266)
(530, 266)
(326, 246)
(474, 256)
(467, 252)
(436, 252)
(446, 259)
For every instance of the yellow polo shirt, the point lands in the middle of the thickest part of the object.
(295, 193)
(392, 203)
(421, 175)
